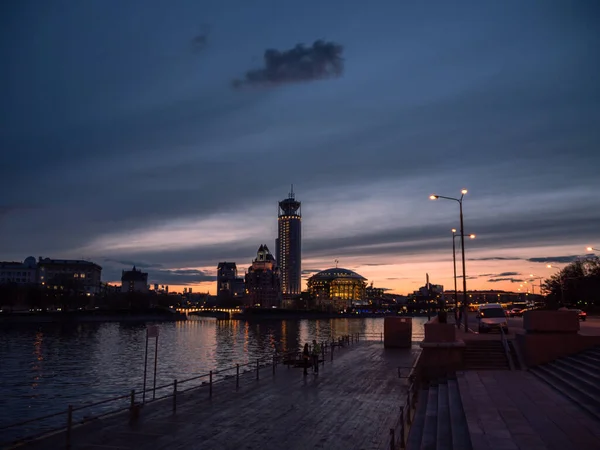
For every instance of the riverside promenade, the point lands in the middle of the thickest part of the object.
(351, 404)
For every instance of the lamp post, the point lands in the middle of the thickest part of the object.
(462, 242)
(592, 249)
(472, 236)
(535, 277)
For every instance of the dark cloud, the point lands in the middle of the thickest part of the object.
(512, 280)
(179, 276)
(555, 259)
(201, 39)
(469, 277)
(319, 61)
(494, 258)
(506, 274)
(131, 263)
(310, 271)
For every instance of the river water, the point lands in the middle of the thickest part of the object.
(44, 368)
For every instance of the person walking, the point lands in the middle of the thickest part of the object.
(305, 358)
(316, 350)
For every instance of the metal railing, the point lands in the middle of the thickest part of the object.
(507, 351)
(131, 401)
(399, 432)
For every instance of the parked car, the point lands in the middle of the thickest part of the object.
(515, 312)
(492, 317)
(582, 314)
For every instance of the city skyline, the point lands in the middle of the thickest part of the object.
(166, 143)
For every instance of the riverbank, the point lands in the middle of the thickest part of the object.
(16, 318)
(283, 314)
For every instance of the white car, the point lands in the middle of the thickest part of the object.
(492, 317)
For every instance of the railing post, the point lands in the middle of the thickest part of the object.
(382, 336)
(323, 352)
(257, 369)
(402, 427)
(132, 408)
(237, 377)
(273, 364)
(174, 396)
(69, 425)
(210, 384)
(332, 347)
(392, 439)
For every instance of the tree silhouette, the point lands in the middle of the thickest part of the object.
(576, 285)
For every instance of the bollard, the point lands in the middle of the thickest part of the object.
(210, 384)
(133, 409)
(402, 427)
(332, 347)
(273, 364)
(323, 352)
(69, 425)
(174, 396)
(392, 439)
(237, 377)
(257, 368)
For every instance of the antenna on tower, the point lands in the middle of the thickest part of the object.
(292, 192)
(336, 263)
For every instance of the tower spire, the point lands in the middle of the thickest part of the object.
(292, 191)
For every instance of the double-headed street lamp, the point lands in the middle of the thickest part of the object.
(462, 242)
(472, 236)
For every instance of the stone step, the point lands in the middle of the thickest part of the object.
(428, 442)
(595, 351)
(583, 364)
(416, 429)
(444, 433)
(585, 373)
(458, 422)
(566, 388)
(589, 358)
(582, 383)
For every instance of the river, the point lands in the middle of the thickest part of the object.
(44, 368)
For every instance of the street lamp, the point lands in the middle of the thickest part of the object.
(472, 236)
(462, 243)
(533, 285)
(592, 249)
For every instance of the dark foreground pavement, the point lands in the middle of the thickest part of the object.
(351, 404)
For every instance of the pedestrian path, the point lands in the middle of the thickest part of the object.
(351, 404)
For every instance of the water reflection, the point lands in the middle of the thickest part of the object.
(45, 368)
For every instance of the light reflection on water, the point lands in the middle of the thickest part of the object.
(46, 367)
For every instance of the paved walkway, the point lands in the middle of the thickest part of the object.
(516, 411)
(351, 404)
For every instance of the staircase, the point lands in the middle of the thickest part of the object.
(576, 377)
(439, 422)
(485, 354)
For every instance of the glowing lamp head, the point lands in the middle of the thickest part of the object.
(589, 249)
(549, 266)
(454, 230)
(464, 191)
(472, 236)
(433, 197)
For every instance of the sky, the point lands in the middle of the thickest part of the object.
(163, 133)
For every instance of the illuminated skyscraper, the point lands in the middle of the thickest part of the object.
(288, 246)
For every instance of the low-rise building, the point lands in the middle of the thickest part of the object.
(70, 274)
(134, 280)
(337, 289)
(20, 273)
(263, 280)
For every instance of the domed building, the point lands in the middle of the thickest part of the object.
(337, 288)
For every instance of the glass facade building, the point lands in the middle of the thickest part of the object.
(288, 246)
